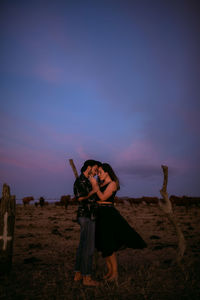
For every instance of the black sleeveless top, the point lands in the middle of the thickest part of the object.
(112, 197)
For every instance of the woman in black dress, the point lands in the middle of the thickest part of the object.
(112, 231)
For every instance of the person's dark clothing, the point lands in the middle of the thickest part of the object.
(85, 250)
(113, 232)
(87, 207)
(86, 220)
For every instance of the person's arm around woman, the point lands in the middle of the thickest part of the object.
(103, 196)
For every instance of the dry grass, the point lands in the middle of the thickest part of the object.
(44, 256)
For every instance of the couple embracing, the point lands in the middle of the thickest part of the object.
(102, 226)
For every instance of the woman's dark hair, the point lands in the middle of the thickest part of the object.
(91, 163)
(107, 168)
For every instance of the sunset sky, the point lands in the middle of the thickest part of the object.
(116, 81)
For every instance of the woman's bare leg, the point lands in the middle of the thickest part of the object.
(113, 261)
(109, 267)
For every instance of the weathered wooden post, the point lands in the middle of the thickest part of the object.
(166, 207)
(7, 224)
(71, 162)
(73, 168)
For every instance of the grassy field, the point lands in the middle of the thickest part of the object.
(44, 255)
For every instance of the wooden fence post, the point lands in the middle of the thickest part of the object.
(7, 224)
(73, 167)
(166, 207)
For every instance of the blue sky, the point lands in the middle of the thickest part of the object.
(116, 81)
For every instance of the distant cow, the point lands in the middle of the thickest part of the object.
(185, 201)
(150, 200)
(64, 200)
(41, 201)
(26, 200)
(118, 200)
(134, 201)
(74, 201)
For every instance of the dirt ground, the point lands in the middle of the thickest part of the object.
(44, 255)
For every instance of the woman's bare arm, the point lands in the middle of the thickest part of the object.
(111, 188)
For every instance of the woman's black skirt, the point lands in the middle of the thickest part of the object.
(114, 233)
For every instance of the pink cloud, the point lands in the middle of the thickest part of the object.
(82, 153)
(144, 155)
(191, 119)
(20, 150)
(138, 151)
(31, 159)
(22, 134)
(49, 73)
